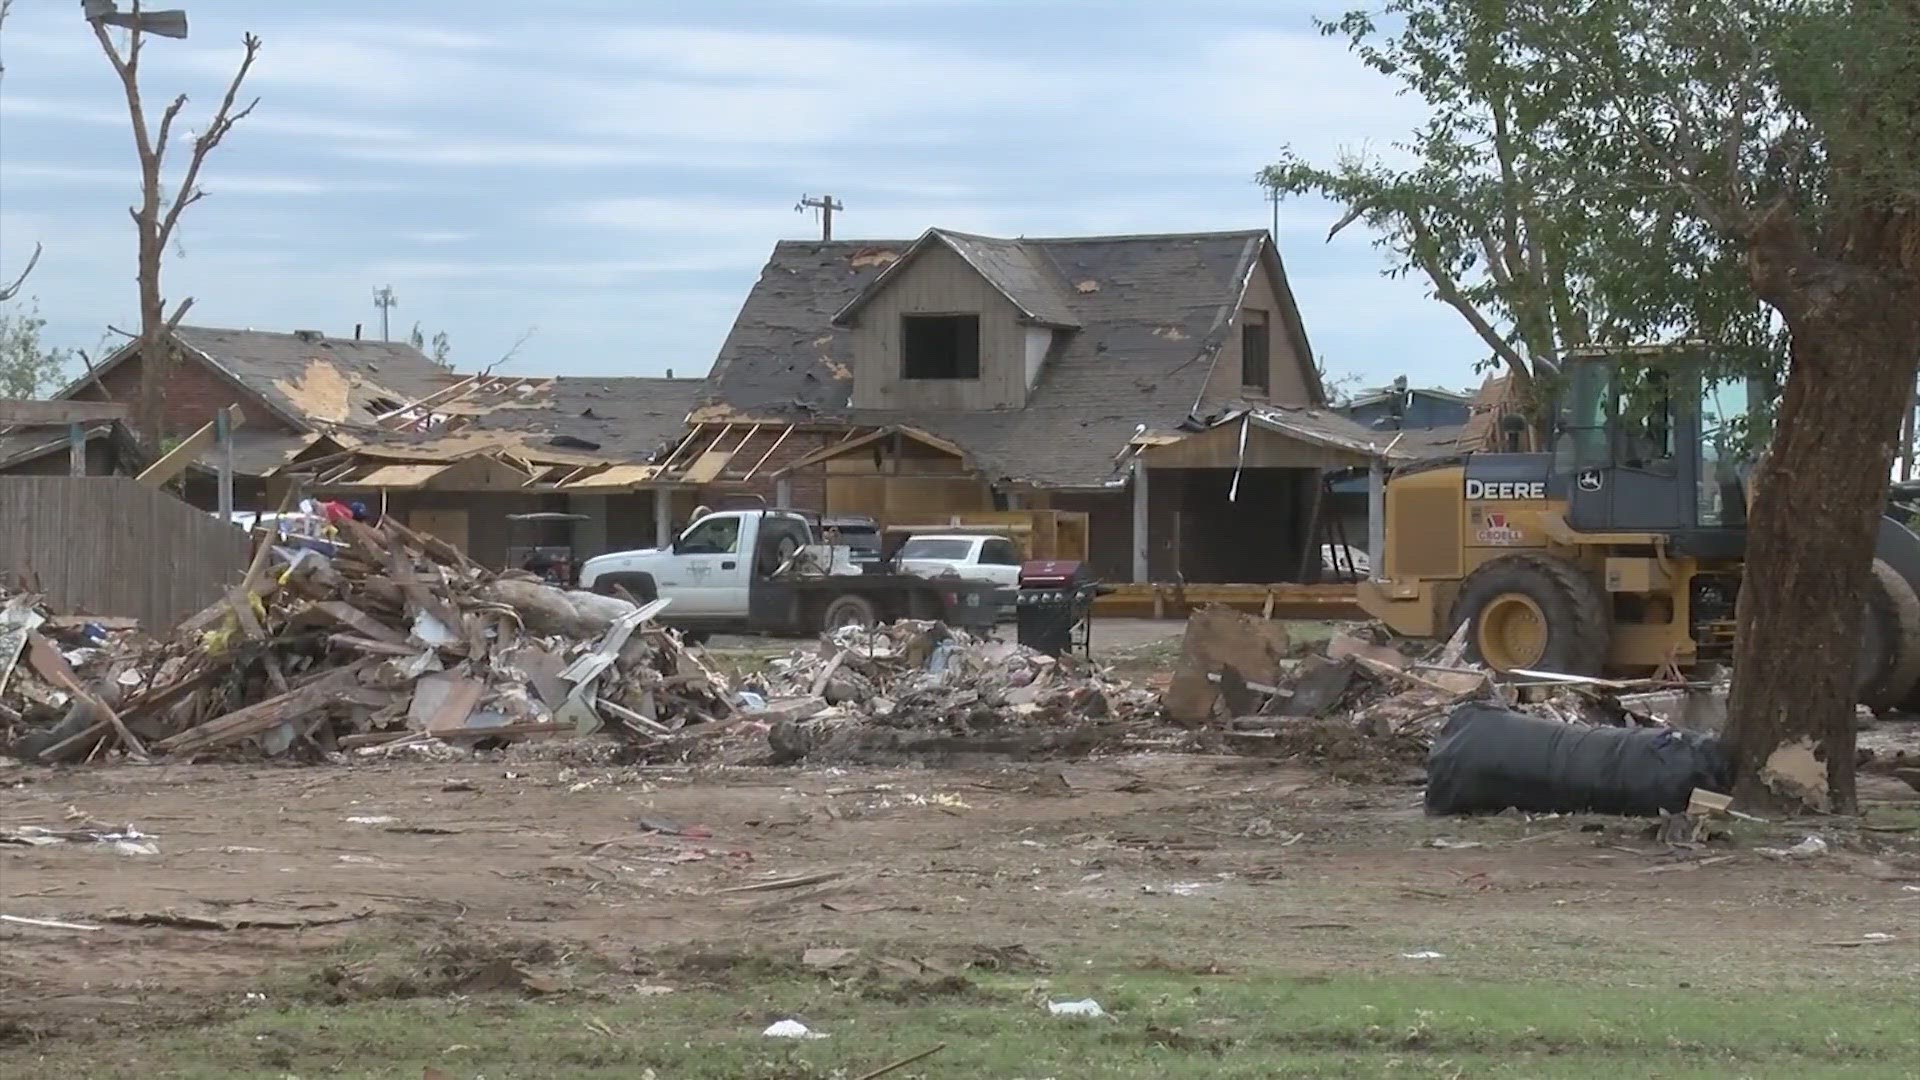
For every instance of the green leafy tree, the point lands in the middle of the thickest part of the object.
(27, 367)
(1745, 171)
(439, 349)
(1792, 130)
(1540, 244)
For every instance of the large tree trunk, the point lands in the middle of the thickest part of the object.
(156, 353)
(1817, 504)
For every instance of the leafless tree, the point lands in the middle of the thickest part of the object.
(8, 292)
(158, 215)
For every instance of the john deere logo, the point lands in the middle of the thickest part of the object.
(1506, 489)
(1589, 480)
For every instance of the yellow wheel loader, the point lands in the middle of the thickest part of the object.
(1618, 551)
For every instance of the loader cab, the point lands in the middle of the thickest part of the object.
(1653, 447)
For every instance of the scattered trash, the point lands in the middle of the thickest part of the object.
(828, 958)
(1423, 954)
(914, 688)
(44, 924)
(1806, 849)
(125, 841)
(1447, 843)
(791, 1029)
(1085, 1007)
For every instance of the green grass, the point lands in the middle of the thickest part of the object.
(1162, 1024)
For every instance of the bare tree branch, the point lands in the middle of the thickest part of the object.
(166, 125)
(173, 321)
(223, 120)
(10, 291)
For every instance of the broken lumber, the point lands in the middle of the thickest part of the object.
(261, 717)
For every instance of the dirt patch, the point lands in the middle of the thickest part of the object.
(451, 965)
(519, 877)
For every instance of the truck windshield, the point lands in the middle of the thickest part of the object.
(713, 536)
(927, 548)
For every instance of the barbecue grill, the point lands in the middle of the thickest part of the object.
(1053, 607)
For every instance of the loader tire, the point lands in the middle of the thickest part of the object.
(1890, 645)
(1534, 611)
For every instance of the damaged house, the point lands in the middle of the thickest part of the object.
(289, 390)
(456, 455)
(1161, 384)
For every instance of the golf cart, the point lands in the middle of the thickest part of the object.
(527, 551)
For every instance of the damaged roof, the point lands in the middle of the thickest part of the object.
(314, 379)
(618, 419)
(1152, 314)
(308, 379)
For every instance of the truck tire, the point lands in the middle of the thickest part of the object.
(1534, 611)
(640, 585)
(849, 610)
(1890, 644)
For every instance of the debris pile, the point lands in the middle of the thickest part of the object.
(394, 638)
(1366, 706)
(914, 689)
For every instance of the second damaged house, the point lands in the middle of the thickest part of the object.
(1162, 385)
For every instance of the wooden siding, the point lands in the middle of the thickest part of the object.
(939, 282)
(110, 545)
(1288, 377)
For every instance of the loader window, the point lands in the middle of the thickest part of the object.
(1643, 435)
(1580, 439)
(1723, 456)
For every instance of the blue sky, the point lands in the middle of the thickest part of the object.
(613, 175)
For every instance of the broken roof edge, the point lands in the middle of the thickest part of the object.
(57, 441)
(848, 446)
(1215, 341)
(1279, 422)
(1266, 253)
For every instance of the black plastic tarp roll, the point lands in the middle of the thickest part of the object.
(1488, 759)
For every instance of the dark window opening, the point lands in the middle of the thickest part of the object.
(940, 346)
(1256, 369)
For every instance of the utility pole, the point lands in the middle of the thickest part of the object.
(1273, 196)
(384, 299)
(826, 205)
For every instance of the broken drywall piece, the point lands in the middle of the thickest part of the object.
(1220, 639)
(1794, 771)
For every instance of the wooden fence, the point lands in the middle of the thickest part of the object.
(110, 545)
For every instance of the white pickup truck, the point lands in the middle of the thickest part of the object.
(976, 558)
(721, 576)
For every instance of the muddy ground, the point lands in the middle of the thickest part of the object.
(264, 874)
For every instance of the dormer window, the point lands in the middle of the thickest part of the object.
(940, 347)
(1256, 366)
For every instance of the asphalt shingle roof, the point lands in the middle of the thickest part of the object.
(628, 419)
(323, 380)
(1152, 311)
